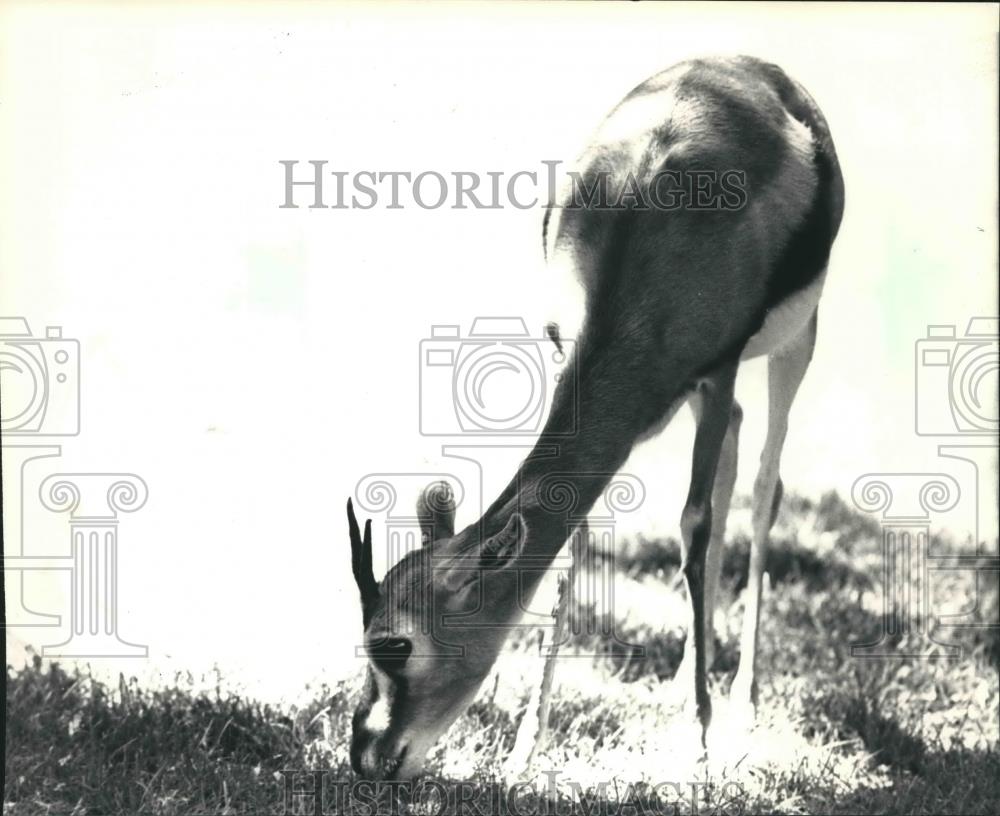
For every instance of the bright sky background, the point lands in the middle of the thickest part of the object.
(252, 363)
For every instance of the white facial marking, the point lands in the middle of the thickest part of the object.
(378, 717)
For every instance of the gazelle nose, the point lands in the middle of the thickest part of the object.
(372, 765)
(370, 760)
(362, 743)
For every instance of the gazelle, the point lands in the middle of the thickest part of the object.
(676, 297)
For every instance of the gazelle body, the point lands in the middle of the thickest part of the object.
(676, 296)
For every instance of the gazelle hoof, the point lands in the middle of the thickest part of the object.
(743, 703)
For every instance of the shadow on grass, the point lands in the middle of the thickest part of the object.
(817, 625)
(883, 737)
(787, 559)
(955, 781)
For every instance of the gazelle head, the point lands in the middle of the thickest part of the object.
(425, 666)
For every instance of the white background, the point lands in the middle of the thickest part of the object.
(252, 363)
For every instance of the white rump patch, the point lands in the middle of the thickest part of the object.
(800, 138)
(785, 321)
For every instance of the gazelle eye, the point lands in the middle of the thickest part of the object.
(390, 654)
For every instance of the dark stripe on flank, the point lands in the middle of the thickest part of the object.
(808, 249)
(803, 259)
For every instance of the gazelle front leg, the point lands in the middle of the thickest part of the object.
(722, 495)
(785, 370)
(715, 397)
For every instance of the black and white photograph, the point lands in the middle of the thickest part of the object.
(500, 408)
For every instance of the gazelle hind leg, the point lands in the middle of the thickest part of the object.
(714, 412)
(722, 494)
(785, 369)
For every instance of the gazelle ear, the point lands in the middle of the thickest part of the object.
(503, 548)
(436, 512)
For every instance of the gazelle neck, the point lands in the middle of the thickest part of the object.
(598, 412)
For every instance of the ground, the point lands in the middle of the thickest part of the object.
(835, 733)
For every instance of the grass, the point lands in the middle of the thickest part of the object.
(835, 734)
